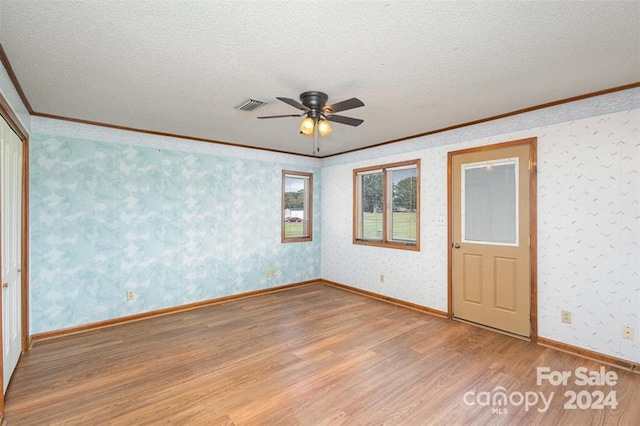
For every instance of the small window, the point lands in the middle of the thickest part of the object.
(387, 205)
(297, 224)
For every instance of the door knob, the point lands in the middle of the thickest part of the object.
(5, 285)
(456, 245)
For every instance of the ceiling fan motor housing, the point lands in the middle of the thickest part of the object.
(314, 100)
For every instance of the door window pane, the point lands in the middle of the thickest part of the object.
(490, 202)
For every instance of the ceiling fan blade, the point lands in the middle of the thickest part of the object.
(343, 106)
(279, 116)
(293, 103)
(345, 120)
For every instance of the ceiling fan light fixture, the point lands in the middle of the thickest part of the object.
(324, 128)
(307, 126)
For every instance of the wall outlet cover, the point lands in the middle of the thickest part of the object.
(628, 332)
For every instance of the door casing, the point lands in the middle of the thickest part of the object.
(532, 142)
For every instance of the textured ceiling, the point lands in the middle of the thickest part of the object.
(181, 67)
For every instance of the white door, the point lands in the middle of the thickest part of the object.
(11, 218)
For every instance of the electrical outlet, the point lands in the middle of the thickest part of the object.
(628, 332)
(440, 221)
(566, 317)
(270, 273)
(381, 278)
(131, 295)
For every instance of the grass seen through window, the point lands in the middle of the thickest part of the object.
(404, 225)
(293, 229)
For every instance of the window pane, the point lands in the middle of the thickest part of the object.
(489, 202)
(386, 205)
(372, 205)
(295, 206)
(404, 204)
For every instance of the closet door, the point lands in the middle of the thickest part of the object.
(11, 219)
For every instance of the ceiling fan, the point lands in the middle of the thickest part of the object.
(317, 112)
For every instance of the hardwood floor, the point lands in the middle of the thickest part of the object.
(308, 355)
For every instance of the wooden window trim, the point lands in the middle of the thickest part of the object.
(309, 207)
(386, 218)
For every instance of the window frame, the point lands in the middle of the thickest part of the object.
(308, 207)
(387, 211)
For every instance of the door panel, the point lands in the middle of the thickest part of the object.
(505, 280)
(491, 274)
(472, 282)
(11, 213)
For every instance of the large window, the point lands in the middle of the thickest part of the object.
(387, 205)
(297, 224)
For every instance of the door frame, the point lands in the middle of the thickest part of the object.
(533, 224)
(9, 116)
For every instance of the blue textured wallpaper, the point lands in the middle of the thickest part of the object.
(175, 227)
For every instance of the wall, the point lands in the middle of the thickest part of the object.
(175, 221)
(588, 219)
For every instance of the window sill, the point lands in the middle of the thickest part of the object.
(296, 239)
(388, 244)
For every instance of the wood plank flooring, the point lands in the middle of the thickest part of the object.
(313, 355)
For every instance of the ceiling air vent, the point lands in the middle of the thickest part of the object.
(249, 105)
